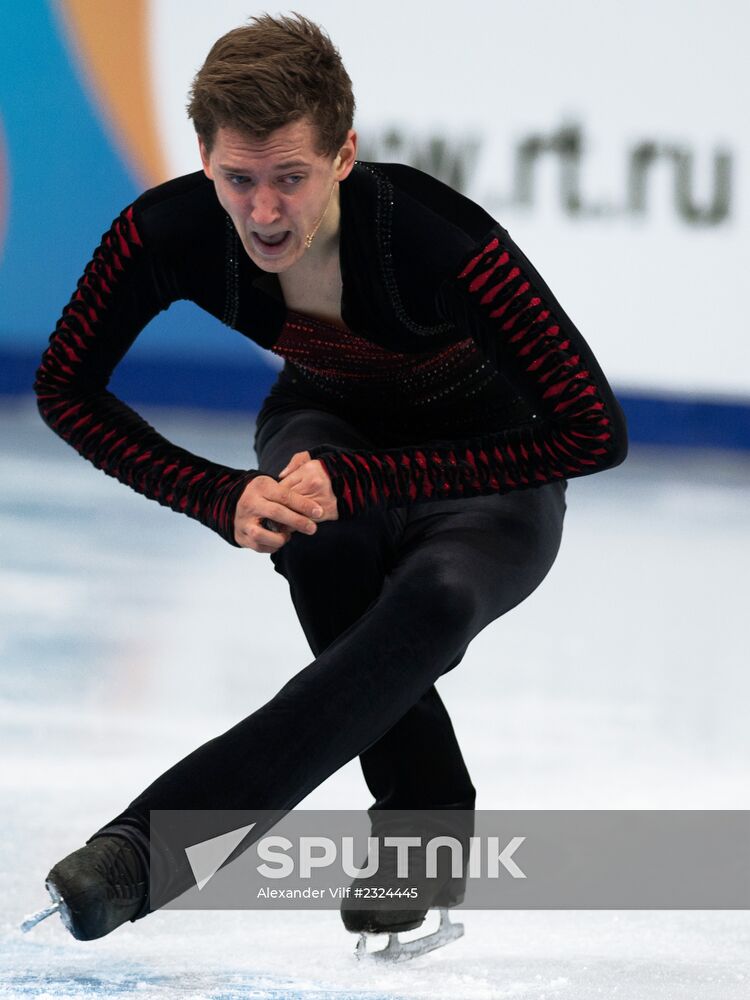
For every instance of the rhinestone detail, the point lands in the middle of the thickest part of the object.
(383, 228)
(231, 273)
(452, 387)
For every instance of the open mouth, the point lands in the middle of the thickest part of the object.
(273, 243)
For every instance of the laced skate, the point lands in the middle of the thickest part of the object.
(95, 889)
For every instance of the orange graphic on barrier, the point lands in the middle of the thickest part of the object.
(110, 41)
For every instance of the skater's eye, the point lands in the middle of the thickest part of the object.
(237, 180)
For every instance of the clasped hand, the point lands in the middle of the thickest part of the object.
(302, 499)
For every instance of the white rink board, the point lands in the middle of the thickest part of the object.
(655, 293)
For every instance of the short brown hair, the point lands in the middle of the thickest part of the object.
(268, 73)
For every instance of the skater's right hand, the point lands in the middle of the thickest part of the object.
(264, 498)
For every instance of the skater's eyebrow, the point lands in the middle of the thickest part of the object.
(292, 163)
(279, 166)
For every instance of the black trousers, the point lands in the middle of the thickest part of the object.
(389, 602)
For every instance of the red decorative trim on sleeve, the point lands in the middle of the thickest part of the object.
(113, 301)
(577, 427)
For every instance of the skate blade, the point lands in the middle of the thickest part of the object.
(58, 906)
(403, 951)
(36, 918)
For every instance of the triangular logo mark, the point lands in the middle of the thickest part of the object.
(207, 857)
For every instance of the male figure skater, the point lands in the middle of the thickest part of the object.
(413, 454)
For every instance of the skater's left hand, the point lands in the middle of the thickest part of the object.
(309, 478)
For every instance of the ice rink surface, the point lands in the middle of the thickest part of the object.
(130, 636)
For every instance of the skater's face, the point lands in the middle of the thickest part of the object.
(279, 190)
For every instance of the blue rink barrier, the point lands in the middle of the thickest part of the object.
(686, 420)
(241, 385)
(197, 383)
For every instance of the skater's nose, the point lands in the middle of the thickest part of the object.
(265, 209)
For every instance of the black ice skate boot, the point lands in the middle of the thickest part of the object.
(99, 887)
(376, 916)
(390, 903)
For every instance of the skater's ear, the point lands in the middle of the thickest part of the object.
(346, 156)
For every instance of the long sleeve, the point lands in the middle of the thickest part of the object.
(577, 426)
(123, 287)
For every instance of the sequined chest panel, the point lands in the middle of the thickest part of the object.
(452, 381)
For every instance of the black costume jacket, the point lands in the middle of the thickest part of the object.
(456, 359)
